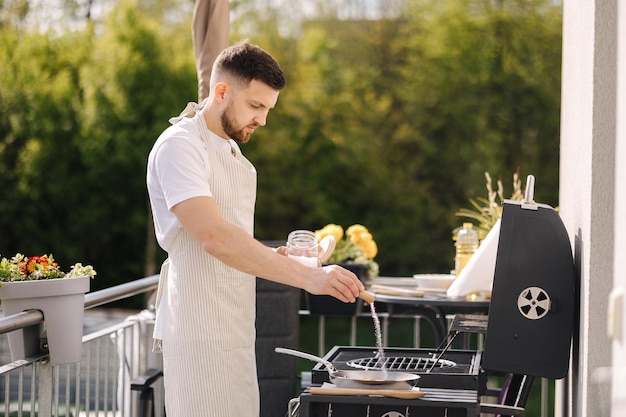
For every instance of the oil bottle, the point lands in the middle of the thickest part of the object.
(466, 244)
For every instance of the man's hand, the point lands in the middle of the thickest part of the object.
(335, 281)
(332, 280)
(282, 250)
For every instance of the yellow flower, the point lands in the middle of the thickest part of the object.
(369, 248)
(330, 229)
(356, 229)
(357, 246)
(361, 237)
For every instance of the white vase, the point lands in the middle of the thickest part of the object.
(62, 302)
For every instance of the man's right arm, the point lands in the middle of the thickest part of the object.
(202, 219)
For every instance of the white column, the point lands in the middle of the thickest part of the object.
(587, 182)
(619, 274)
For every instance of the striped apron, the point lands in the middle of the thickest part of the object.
(209, 334)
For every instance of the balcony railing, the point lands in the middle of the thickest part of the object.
(118, 350)
(99, 385)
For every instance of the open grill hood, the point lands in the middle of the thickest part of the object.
(532, 310)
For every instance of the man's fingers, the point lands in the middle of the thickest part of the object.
(348, 288)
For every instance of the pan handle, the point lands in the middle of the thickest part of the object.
(308, 356)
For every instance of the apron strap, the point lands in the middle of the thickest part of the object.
(161, 307)
(189, 111)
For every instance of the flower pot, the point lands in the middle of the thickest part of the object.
(327, 305)
(62, 302)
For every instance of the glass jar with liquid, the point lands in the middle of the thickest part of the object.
(302, 247)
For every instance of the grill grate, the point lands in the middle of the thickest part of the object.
(399, 363)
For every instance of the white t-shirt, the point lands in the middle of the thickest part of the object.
(178, 169)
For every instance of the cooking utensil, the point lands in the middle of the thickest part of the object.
(404, 394)
(399, 291)
(367, 296)
(363, 379)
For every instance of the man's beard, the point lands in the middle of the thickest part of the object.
(228, 124)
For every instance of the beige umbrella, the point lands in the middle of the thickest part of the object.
(210, 30)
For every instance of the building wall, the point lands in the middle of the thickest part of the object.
(619, 276)
(587, 184)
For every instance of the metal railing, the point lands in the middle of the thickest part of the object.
(99, 385)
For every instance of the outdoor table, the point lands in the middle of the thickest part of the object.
(433, 306)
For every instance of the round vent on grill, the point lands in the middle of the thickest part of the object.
(400, 363)
(533, 303)
(392, 414)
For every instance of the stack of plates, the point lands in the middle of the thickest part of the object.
(417, 286)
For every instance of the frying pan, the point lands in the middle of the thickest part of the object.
(359, 379)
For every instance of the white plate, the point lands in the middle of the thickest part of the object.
(434, 281)
(394, 281)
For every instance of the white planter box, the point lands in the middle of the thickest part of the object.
(62, 302)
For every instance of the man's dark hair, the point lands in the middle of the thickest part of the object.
(246, 62)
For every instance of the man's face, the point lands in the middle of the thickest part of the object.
(247, 109)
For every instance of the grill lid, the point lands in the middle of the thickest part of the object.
(531, 315)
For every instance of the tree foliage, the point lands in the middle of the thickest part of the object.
(80, 113)
(393, 122)
(388, 122)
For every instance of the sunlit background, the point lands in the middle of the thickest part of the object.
(393, 112)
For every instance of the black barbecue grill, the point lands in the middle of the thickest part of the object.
(527, 333)
(456, 369)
